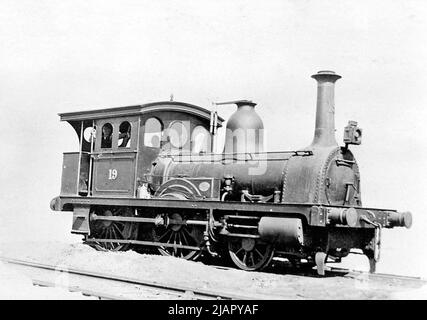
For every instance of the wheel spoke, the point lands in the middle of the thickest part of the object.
(169, 240)
(110, 236)
(185, 242)
(175, 249)
(237, 252)
(179, 242)
(245, 257)
(251, 255)
(190, 234)
(113, 233)
(259, 253)
(120, 232)
(167, 232)
(184, 238)
(107, 236)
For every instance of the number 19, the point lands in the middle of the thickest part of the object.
(112, 174)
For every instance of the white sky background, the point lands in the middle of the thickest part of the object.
(60, 56)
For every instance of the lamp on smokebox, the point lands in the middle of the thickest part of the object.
(352, 134)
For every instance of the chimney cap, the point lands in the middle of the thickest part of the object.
(326, 74)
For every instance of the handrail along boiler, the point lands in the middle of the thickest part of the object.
(152, 180)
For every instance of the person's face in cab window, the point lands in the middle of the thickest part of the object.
(106, 132)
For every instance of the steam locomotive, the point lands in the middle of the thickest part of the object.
(147, 176)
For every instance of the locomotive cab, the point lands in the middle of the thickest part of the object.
(117, 147)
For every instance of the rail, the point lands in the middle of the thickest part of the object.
(177, 290)
(377, 276)
(182, 292)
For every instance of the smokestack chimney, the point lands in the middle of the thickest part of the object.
(324, 134)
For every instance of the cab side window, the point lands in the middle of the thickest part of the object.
(153, 133)
(107, 135)
(200, 140)
(124, 135)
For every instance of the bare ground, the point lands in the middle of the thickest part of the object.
(162, 269)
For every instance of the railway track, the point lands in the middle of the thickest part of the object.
(156, 288)
(377, 276)
(336, 271)
(362, 277)
(357, 274)
(106, 286)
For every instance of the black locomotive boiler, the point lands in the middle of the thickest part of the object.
(147, 176)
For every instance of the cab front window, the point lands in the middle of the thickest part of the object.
(177, 134)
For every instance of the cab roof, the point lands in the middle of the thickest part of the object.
(138, 109)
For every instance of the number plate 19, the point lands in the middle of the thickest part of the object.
(112, 174)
